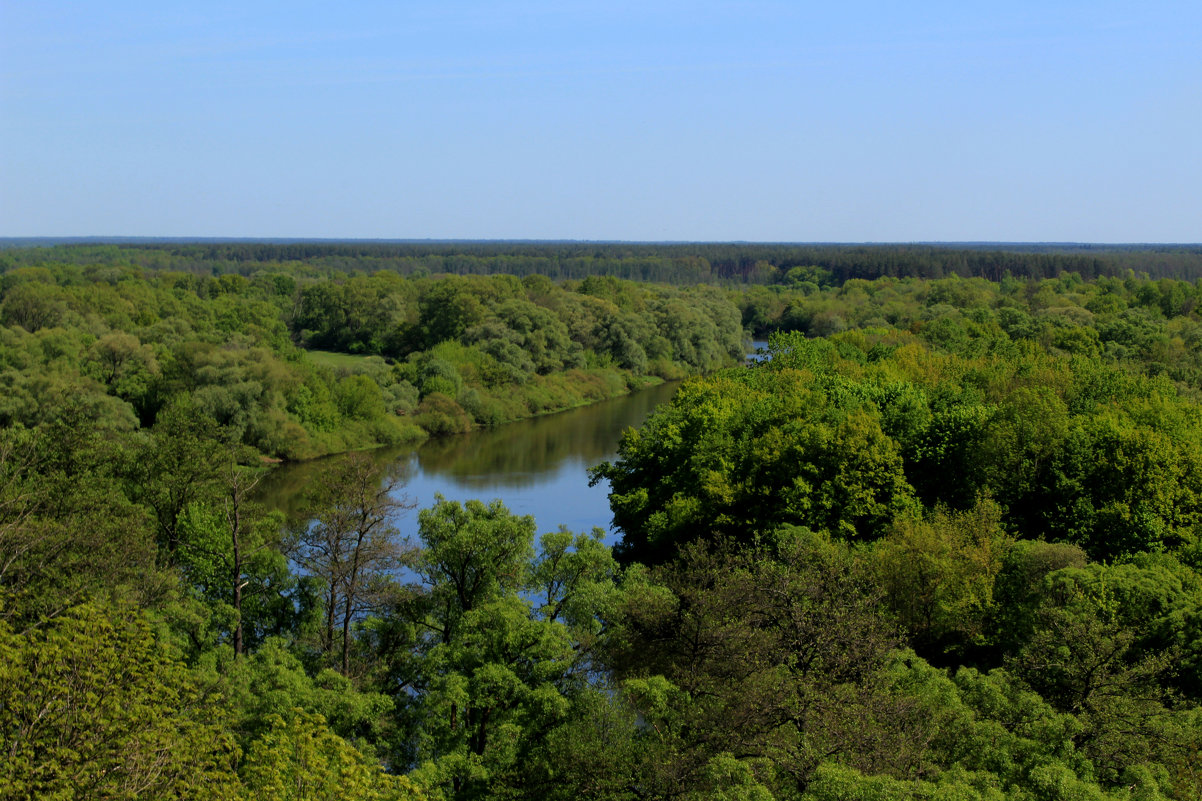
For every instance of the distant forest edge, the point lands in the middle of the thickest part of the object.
(676, 263)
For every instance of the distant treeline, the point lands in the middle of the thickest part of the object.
(666, 263)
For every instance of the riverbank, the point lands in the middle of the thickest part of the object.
(537, 466)
(456, 401)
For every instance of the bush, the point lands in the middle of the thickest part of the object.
(440, 415)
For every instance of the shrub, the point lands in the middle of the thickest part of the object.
(439, 415)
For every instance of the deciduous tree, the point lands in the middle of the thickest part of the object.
(352, 548)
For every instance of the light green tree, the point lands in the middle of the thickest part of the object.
(299, 759)
(92, 708)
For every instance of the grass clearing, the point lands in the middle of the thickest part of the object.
(340, 361)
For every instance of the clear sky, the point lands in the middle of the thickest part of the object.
(762, 121)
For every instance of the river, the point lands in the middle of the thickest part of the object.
(537, 467)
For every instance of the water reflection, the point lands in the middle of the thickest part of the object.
(521, 454)
(536, 466)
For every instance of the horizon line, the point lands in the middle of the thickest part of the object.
(40, 241)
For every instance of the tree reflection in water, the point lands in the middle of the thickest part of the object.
(537, 466)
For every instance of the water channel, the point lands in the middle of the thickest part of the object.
(537, 467)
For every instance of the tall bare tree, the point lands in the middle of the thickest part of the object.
(353, 546)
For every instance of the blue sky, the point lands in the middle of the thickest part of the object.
(761, 121)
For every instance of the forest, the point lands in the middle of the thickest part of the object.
(944, 542)
(679, 263)
(296, 367)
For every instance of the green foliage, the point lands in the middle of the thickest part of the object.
(846, 434)
(33, 306)
(924, 468)
(131, 343)
(230, 556)
(90, 707)
(496, 674)
(593, 753)
(774, 654)
(272, 683)
(359, 398)
(441, 415)
(299, 759)
(834, 782)
(747, 450)
(939, 574)
(351, 549)
(67, 531)
(1018, 588)
(1092, 653)
(574, 579)
(1001, 426)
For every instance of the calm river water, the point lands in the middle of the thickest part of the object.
(537, 467)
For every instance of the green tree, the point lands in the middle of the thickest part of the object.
(774, 654)
(91, 707)
(298, 759)
(1084, 659)
(179, 466)
(67, 530)
(126, 367)
(939, 574)
(352, 548)
(496, 674)
(33, 306)
(746, 450)
(231, 553)
(1018, 588)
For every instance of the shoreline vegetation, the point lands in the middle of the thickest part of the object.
(945, 543)
(298, 366)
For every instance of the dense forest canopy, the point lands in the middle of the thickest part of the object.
(679, 263)
(945, 543)
(298, 366)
